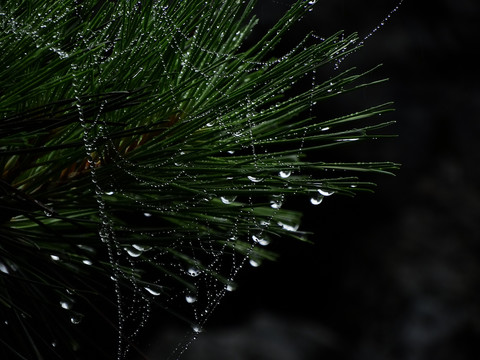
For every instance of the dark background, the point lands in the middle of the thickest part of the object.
(395, 274)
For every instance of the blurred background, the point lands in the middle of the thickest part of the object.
(393, 275)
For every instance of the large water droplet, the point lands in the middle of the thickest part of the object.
(254, 179)
(228, 199)
(133, 252)
(254, 262)
(261, 240)
(190, 299)
(285, 174)
(317, 199)
(264, 223)
(141, 247)
(276, 201)
(87, 262)
(230, 287)
(289, 227)
(3, 268)
(192, 271)
(76, 318)
(325, 192)
(154, 290)
(66, 305)
(54, 257)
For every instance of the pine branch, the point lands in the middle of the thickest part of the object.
(145, 143)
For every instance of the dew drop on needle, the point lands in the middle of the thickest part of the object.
(285, 174)
(316, 200)
(228, 199)
(190, 299)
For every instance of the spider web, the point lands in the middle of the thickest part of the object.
(189, 188)
(196, 270)
(192, 270)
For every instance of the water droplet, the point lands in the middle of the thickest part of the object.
(54, 343)
(261, 240)
(264, 223)
(76, 318)
(284, 174)
(254, 179)
(154, 290)
(276, 201)
(65, 305)
(86, 248)
(197, 328)
(190, 299)
(54, 257)
(192, 271)
(293, 227)
(230, 287)
(347, 140)
(326, 192)
(133, 252)
(254, 263)
(3, 268)
(275, 204)
(147, 214)
(109, 193)
(140, 247)
(316, 200)
(87, 262)
(228, 199)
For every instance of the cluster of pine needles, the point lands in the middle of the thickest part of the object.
(138, 139)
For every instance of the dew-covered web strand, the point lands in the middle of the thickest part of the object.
(93, 134)
(175, 29)
(371, 33)
(105, 231)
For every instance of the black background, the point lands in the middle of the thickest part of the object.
(395, 274)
